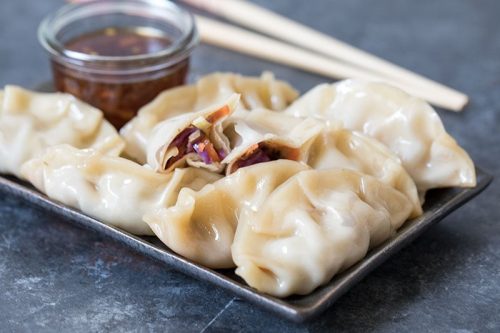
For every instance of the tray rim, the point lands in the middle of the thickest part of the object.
(291, 310)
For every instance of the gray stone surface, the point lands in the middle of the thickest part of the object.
(55, 277)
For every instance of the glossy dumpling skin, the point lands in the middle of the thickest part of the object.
(255, 92)
(336, 216)
(346, 149)
(112, 189)
(408, 126)
(31, 122)
(201, 224)
(263, 135)
(195, 138)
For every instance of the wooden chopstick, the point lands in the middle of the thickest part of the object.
(263, 20)
(244, 41)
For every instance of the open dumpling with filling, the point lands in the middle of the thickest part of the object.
(31, 122)
(201, 224)
(256, 92)
(346, 149)
(263, 135)
(195, 138)
(313, 226)
(112, 189)
(407, 125)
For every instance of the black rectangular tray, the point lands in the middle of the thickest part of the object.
(439, 203)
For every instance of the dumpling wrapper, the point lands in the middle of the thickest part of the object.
(170, 145)
(265, 92)
(112, 189)
(407, 125)
(201, 224)
(31, 122)
(345, 149)
(263, 135)
(313, 226)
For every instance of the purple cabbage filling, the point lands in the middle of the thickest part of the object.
(259, 156)
(182, 138)
(203, 154)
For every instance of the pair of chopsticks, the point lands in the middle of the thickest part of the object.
(311, 51)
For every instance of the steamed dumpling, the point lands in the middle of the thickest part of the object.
(408, 126)
(263, 135)
(265, 92)
(112, 189)
(201, 224)
(345, 149)
(313, 226)
(31, 122)
(195, 138)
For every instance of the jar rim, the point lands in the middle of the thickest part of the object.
(178, 50)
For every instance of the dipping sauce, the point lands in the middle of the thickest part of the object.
(118, 99)
(126, 60)
(118, 42)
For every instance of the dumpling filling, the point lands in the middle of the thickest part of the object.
(264, 152)
(196, 139)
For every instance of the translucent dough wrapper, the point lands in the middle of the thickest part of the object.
(201, 224)
(112, 189)
(313, 226)
(31, 122)
(407, 125)
(345, 149)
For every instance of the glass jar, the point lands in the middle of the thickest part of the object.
(117, 55)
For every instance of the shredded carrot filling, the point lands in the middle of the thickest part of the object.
(221, 113)
(212, 153)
